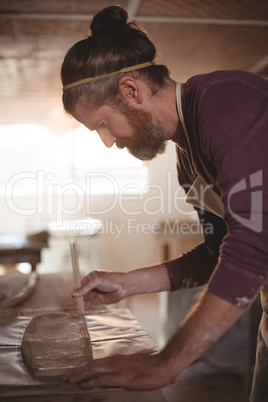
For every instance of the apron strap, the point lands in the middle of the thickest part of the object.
(200, 195)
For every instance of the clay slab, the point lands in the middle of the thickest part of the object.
(54, 344)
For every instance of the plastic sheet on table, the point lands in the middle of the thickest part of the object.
(111, 332)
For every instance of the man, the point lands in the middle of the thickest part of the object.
(218, 121)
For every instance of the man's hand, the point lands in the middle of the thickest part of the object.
(204, 324)
(101, 287)
(137, 371)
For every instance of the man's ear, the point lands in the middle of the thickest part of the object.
(130, 90)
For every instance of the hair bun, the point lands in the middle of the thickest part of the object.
(112, 17)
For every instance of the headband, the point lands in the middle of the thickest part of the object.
(123, 70)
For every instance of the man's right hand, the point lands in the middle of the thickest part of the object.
(101, 287)
(106, 287)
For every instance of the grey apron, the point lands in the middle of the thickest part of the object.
(259, 392)
(201, 194)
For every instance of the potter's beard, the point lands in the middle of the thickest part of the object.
(148, 140)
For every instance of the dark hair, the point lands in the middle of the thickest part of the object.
(113, 44)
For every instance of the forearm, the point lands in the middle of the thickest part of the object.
(209, 319)
(146, 280)
(106, 287)
(204, 324)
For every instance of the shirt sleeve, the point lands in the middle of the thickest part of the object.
(233, 131)
(195, 267)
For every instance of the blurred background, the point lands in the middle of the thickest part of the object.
(58, 182)
(52, 170)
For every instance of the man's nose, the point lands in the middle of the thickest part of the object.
(107, 138)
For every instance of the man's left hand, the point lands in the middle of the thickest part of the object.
(136, 371)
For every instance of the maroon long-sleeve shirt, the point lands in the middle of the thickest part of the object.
(226, 116)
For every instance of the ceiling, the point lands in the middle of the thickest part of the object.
(192, 37)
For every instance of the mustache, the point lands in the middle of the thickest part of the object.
(123, 143)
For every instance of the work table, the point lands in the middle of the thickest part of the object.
(112, 331)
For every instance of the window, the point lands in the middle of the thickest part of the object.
(108, 169)
(33, 158)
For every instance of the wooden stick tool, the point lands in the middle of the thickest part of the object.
(77, 278)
